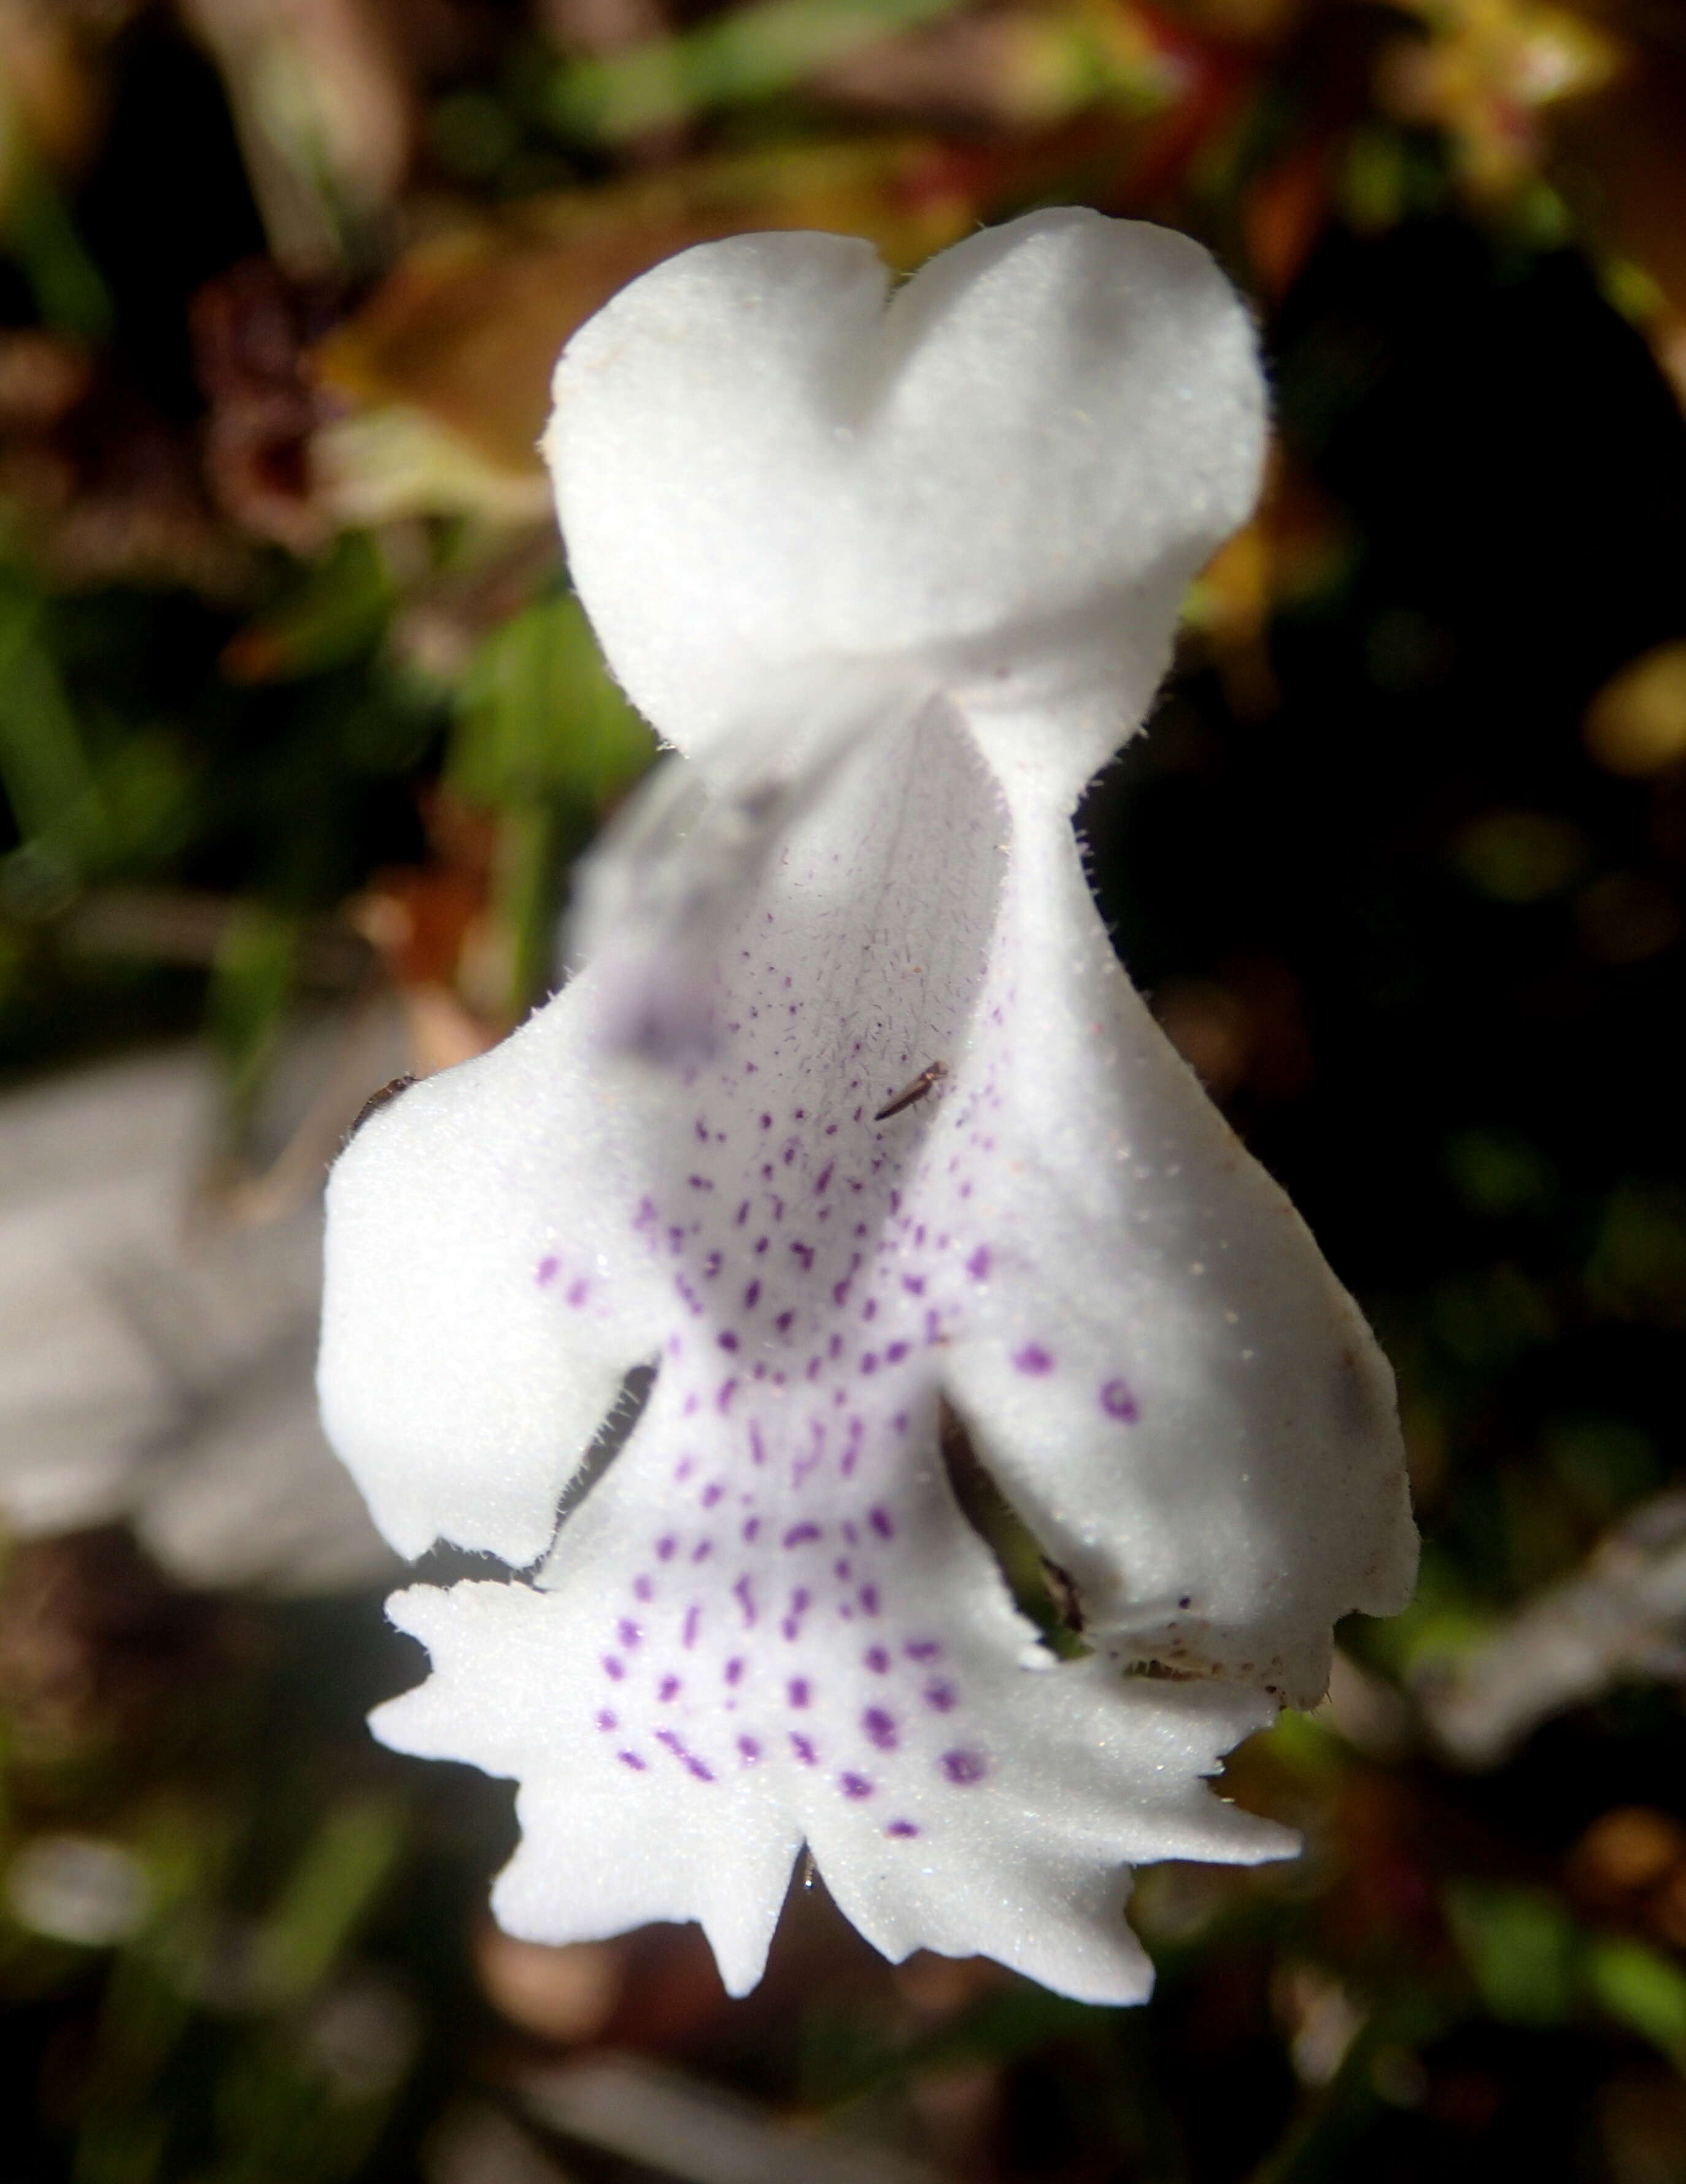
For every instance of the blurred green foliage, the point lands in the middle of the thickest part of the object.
(297, 708)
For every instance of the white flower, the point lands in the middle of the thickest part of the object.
(155, 1355)
(896, 573)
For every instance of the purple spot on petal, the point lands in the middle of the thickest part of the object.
(750, 1750)
(630, 1759)
(799, 1534)
(751, 1296)
(868, 1599)
(880, 1728)
(965, 1766)
(921, 1649)
(668, 1688)
(702, 1551)
(665, 1546)
(693, 1616)
(751, 1526)
(799, 1690)
(746, 1599)
(978, 1266)
(1033, 1358)
(1117, 1402)
(902, 1828)
(877, 1660)
(896, 1353)
(546, 1271)
(577, 1293)
(643, 1588)
(728, 1340)
(735, 1671)
(879, 1520)
(607, 1720)
(940, 1697)
(612, 1669)
(712, 1493)
(804, 1750)
(855, 1786)
(628, 1632)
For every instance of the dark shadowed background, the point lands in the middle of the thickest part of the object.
(299, 731)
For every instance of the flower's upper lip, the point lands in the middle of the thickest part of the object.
(1064, 415)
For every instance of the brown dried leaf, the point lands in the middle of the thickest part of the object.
(468, 325)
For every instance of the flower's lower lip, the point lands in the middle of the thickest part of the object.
(770, 1594)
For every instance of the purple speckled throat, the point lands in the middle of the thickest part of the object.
(780, 1521)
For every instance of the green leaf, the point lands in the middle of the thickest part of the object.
(538, 715)
(1520, 1945)
(1642, 1990)
(43, 767)
(252, 983)
(335, 611)
(329, 1893)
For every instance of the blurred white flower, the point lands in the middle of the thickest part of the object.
(850, 1110)
(79, 1889)
(155, 1352)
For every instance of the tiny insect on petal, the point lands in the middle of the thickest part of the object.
(376, 1102)
(910, 1094)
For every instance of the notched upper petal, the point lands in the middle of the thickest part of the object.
(997, 477)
